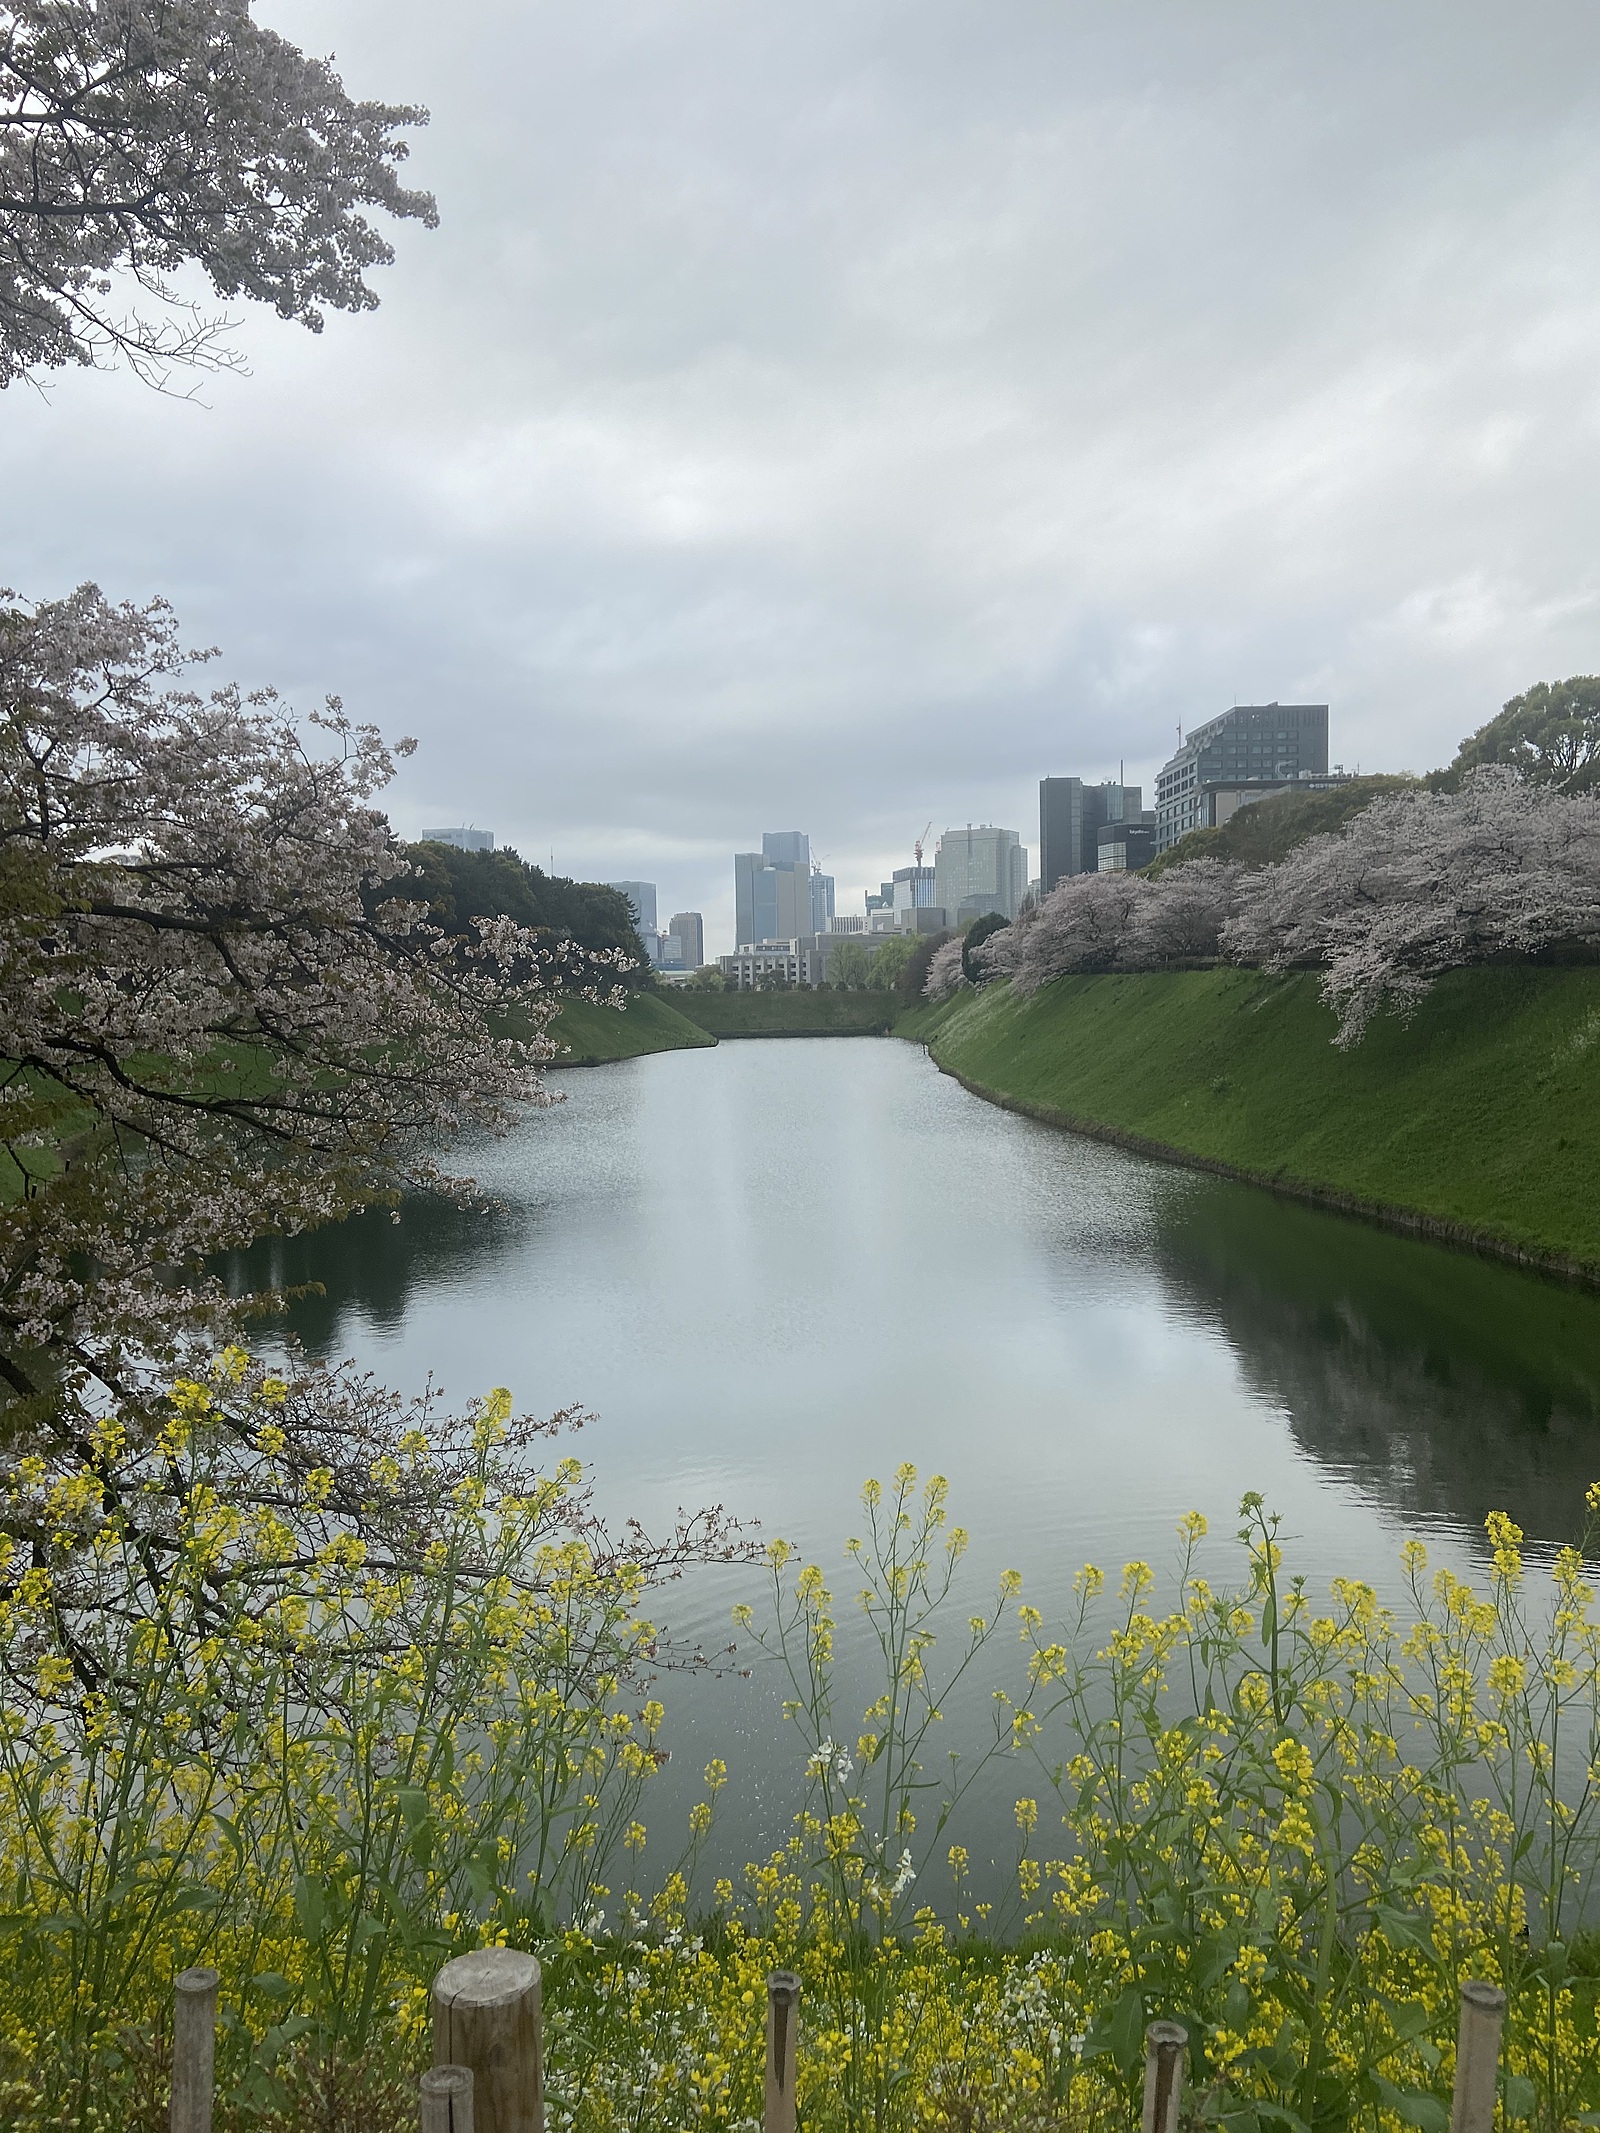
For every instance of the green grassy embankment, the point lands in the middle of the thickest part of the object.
(1478, 1122)
(595, 1035)
(790, 1014)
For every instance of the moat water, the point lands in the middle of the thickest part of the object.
(776, 1268)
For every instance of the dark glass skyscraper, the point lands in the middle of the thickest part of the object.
(1071, 814)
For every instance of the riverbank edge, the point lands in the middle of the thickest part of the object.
(595, 1035)
(1409, 1221)
(924, 1026)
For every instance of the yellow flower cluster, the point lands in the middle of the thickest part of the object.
(322, 1764)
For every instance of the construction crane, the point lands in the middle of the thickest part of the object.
(921, 841)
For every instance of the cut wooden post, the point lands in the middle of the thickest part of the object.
(486, 2016)
(1164, 2046)
(783, 2049)
(194, 2049)
(1483, 2009)
(447, 2100)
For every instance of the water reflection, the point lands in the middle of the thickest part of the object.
(774, 1269)
(935, 1257)
(372, 1267)
(1444, 1384)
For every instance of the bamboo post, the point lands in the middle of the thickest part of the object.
(487, 2016)
(1483, 2009)
(1164, 2046)
(783, 2043)
(194, 2049)
(447, 2100)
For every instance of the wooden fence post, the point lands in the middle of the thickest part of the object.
(194, 2049)
(486, 2016)
(783, 2042)
(1164, 2046)
(1483, 2009)
(447, 2100)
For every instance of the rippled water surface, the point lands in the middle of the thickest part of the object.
(774, 1268)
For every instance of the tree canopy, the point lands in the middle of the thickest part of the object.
(463, 887)
(1420, 882)
(141, 136)
(850, 966)
(910, 972)
(223, 1008)
(1550, 733)
(972, 940)
(1268, 830)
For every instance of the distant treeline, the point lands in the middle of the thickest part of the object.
(461, 886)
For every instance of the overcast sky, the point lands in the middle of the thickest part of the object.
(836, 416)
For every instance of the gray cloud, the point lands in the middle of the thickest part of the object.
(839, 416)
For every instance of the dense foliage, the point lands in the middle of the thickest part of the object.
(894, 963)
(972, 940)
(1426, 882)
(1267, 830)
(948, 970)
(325, 1763)
(138, 136)
(1550, 733)
(217, 1017)
(462, 887)
(1420, 882)
(317, 1682)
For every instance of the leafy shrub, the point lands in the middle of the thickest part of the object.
(346, 1696)
(1294, 1826)
(981, 930)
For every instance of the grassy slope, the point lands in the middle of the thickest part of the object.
(790, 1014)
(648, 1023)
(1483, 1115)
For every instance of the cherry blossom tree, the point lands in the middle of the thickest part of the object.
(1422, 883)
(219, 1014)
(141, 136)
(1001, 953)
(1085, 923)
(1181, 919)
(944, 971)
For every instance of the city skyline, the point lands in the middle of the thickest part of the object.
(801, 915)
(879, 424)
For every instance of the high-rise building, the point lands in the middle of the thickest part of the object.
(1071, 815)
(1124, 847)
(786, 848)
(689, 927)
(912, 889)
(1241, 756)
(983, 863)
(641, 897)
(465, 840)
(772, 890)
(821, 901)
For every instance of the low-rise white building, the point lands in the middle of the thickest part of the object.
(800, 962)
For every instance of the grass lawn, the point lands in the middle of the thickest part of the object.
(593, 1035)
(790, 1014)
(1483, 1114)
